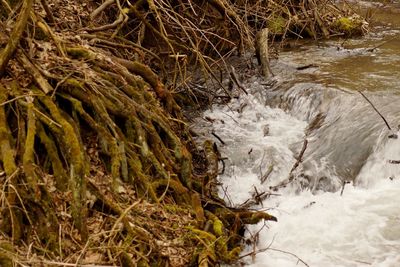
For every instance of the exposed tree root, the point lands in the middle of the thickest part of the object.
(16, 35)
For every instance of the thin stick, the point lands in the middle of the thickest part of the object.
(5, 3)
(343, 185)
(383, 118)
(219, 138)
(381, 44)
(274, 249)
(48, 11)
(16, 98)
(290, 253)
(235, 78)
(299, 158)
(33, 70)
(101, 8)
(291, 176)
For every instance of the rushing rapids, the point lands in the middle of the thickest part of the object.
(339, 207)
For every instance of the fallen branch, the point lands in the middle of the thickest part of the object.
(291, 176)
(274, 249)
(101, 8)
(290, 253)
(219, 138)
(299, 157)
(235, 79)
(377, 111)
(381, 44)
(262, 51)
(34, 71)
(48, 11)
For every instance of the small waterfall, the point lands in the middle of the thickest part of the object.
(322, 219)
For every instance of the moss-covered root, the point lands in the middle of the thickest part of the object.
(245, 216)
(214, 246)
(11, 222)
(212, 249)
(28, 157)
(6, 252)
(7, 152)
(52, 152)
(19, 28)
(75, 153)
(223, 236)
(236, 219)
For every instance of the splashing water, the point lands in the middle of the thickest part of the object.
(355, 224)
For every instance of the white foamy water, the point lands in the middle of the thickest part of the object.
(361, 227)
(257, 141)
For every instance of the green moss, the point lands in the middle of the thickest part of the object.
(198, 208)
(57, 166)
(177, 209)
(126, 260)
(257, 216)
(7, 153)
(28, 157)
(217, 224)
(218, 227)
(207, 237)
(348, 25)
(277, 25)
(76, 157)
(234, 254)
(6, 250)
(80, 52)
(74, 83)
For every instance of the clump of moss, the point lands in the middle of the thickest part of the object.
(277, 25)
(353, 25)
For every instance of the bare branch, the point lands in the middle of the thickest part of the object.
(372, 105)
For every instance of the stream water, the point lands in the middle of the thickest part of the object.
(342, 206)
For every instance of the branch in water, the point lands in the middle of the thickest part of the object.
(383, 118)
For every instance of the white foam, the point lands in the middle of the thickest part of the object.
(256, 139)
(361, 227)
